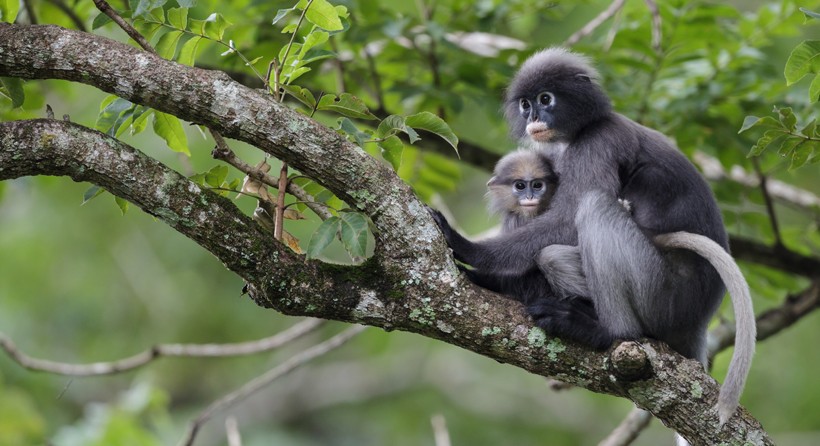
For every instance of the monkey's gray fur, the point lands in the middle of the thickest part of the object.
(637, 289)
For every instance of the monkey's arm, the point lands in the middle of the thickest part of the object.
(511, 253)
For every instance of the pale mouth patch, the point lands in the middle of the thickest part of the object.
(539, 131)
(528, 203)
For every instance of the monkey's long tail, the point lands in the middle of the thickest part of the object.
(745, 325)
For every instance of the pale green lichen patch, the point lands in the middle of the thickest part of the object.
(424, 316)
(487, 331)
(696, 390)
(554, 348)
(536, 338)
(362, 197)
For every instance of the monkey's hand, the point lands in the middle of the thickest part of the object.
(456, 241)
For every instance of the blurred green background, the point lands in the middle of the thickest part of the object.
(83, 283)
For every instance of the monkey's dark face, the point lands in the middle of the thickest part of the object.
(538, 113)
(553, 97)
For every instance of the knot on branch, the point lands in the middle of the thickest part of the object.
(630, 361)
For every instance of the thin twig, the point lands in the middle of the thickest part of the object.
(224, 153)
(593, 24)
(281, 67)
(232, 431)
(106, 9)
(440, 434)
(657, 25)
(770, 322)
(635, 422)
(778, 241)
(158, 351)
(374, 76)
(264, 380)
(32, 19)
(713, 170)
(78, 22)
(279, 220)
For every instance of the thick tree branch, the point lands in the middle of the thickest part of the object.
(411, 283)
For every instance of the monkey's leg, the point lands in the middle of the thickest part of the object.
(561, 265)
(624, 270)
(574, 319)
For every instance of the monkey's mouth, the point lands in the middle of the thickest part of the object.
(539, 131)
(528, 204)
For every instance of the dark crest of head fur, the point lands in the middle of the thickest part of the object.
(569, 76)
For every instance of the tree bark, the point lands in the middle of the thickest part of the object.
(411, 283)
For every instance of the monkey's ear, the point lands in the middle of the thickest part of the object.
(583, 77)
(492, 181)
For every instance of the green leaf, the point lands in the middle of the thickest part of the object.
(392, 148)
(140, 121)
(91, 193)
(347, 105)
(349, 128)
(178, 18)
(754, 121)
(127, 120)
(292, 75)
(324, 234)
(324, 15)
(186, 3)
(187, 55)
(216, 176)
(100, 20)
(9, 10)
(170, 129)
(122, 203)
(801, 155)
(805, 58)
(393, 124)
(311, 40)
(809, 129)
(280, 15)
(434, 124)
(215, 26)
(145, 6)
(814, 89)
(13, 88)
(317, 54)
(768, 139)
(110, 114)
(787, 118)
(303, 95)
(354, 233)
(809, 14)
(167, 45)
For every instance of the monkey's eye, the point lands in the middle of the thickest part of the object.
(545, 98)
(520, 185)
(524, 104)
(537, 185)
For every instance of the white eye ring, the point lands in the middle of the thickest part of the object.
(545, 98)
(523, 104)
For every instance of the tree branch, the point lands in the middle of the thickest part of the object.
(593, 24)
(411, 283)
(159, 351)
(264, 380)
